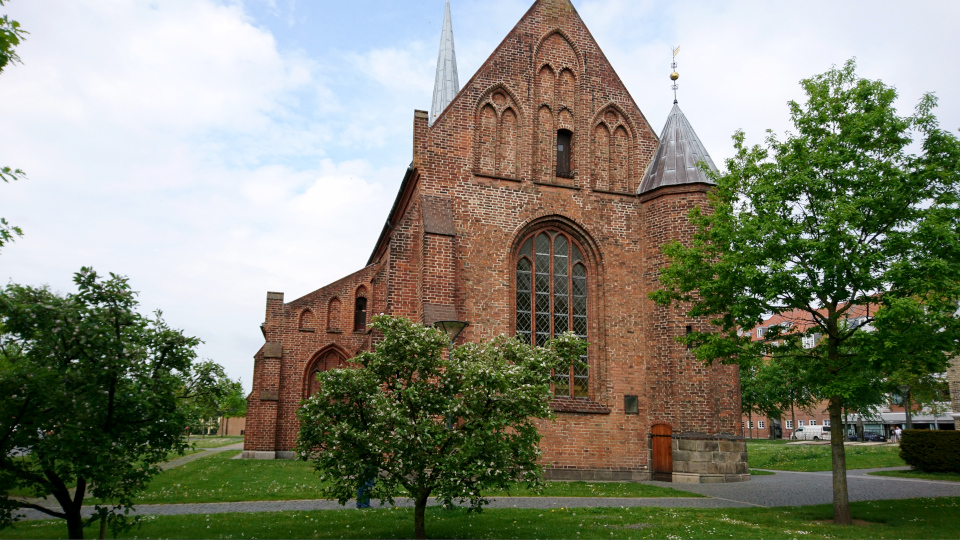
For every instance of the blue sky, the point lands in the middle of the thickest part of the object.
(213, 150)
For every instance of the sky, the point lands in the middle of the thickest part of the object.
(214, 150)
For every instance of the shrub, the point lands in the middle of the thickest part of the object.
(931, 451)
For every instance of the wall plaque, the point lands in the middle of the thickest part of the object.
(269, 395)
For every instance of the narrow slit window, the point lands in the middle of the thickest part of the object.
(360, 315)
(564, 141)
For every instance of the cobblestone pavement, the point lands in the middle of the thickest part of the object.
(782, 489)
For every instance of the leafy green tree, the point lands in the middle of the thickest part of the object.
(91, 402)
(209, 393)
(10, 36)
(423, 423)
(836, 217)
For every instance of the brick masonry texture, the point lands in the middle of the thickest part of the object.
(484, 177)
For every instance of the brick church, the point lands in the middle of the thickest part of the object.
(537, 201)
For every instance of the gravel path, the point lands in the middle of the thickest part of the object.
(782, 489)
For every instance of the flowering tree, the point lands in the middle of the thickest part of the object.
(424, 423)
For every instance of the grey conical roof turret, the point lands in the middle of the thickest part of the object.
(676, 159)
(447, 84)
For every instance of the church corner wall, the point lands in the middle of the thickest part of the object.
(700, 403)
(315, 330)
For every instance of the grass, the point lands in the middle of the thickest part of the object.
(218, 478)
(812, 458)
(29, 493)
(914, 518)
(946, 477)
(756, 472)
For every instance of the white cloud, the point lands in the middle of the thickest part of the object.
(741, 61)
(152, 134)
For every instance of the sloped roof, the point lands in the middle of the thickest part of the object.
(676, 159)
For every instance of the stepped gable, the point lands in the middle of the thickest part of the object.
(677, 158)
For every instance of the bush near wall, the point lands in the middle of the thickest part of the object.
(931, 451)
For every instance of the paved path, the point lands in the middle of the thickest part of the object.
(204, 453)
(782, 489)
(787, 488)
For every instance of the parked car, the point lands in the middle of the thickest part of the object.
(869, 437)
(812, 433)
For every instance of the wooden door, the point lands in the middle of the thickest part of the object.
(662, 436)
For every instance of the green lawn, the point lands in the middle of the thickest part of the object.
(170, 456)
(218, 478)
(779, 456)
(914, 518)
(947, 477)
(756, 472)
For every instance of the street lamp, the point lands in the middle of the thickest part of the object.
(451, 328)
(905, 392)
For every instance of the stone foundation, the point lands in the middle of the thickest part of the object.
(699, 458)
(252, 454)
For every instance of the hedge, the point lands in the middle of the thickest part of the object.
(931, 450)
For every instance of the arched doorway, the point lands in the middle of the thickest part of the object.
(325, 360)
(662, 443)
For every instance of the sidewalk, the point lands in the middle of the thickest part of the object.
(782, 489)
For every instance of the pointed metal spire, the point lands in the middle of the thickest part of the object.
(676, 159)
(447, 84)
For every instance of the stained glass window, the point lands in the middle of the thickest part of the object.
(552, 299)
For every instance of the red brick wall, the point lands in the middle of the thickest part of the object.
(484, 178)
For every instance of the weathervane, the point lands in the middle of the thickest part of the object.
(674, 76)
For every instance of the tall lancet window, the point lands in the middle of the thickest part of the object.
(552, 299)
(564, 140)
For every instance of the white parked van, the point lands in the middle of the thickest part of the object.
(812, 433)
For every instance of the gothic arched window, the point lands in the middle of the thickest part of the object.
(326, 361)
(552, 299)
(360, 310)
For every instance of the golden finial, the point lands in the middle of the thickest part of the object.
(674, 76)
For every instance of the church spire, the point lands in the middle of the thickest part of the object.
(447, 84)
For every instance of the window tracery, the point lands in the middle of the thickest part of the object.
(551, 285)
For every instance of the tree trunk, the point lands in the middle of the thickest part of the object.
(793, 420)
(841, 498)
(74, 524)
(419, 525)
(103, 528)
(750, 423)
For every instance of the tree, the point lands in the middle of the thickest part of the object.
(419, 421)
(209, 394)
(10, 36)
(91, 398)
(835, 219)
